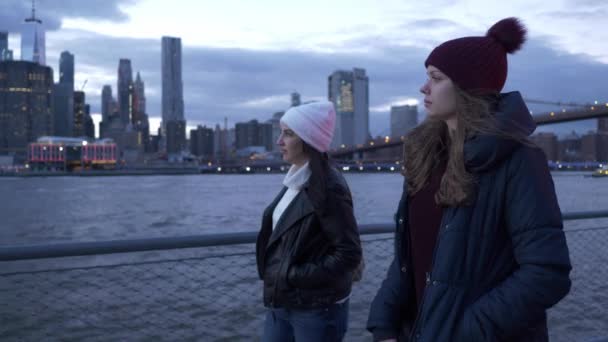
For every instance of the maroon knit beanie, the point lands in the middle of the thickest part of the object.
(479, 64)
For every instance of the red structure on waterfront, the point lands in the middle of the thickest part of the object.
(64, 153)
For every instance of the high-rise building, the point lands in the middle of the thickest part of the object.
(172, 91)
(63, 109)
(201, 142)
(3, 45)
(276, 129)
(66, 68)
(570, 148)
(79, 114)
(349, 91)
(547, 141)
(89, 125)
(6, 55)
(139, 119)
(295, 99)
(221, 141)
(403, 120)
(139, 101)
(25, 104)
(106, 102)
(602, 149)
(33, 46)
(602, 125)
(594, 146)
(253, 133)
(176, 136)
(63, 97)
(125, 90)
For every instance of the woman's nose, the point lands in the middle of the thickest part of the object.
(425, 88)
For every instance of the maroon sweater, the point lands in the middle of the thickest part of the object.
(424, 221)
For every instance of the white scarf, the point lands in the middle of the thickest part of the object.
(295, 178)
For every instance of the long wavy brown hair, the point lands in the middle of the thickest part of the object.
(430, 144)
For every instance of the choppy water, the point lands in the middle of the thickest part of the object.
(36, 210)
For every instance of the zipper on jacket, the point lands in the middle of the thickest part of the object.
(413, 333)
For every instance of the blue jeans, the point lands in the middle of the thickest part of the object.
(314, 325)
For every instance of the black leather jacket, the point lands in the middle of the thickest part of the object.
(308, 260)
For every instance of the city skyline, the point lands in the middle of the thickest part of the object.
(247, 72)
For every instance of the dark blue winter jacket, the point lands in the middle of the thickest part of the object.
(498, 264)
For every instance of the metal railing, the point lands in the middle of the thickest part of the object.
(205, 288)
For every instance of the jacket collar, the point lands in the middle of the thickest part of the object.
(299, 208)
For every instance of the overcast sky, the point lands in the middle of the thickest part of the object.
(242, 59)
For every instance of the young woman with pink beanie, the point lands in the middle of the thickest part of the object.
(480, 250)
(308, 247)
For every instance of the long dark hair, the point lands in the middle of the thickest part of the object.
(320, 166)
(431, 143)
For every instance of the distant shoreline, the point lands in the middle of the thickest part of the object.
(187, 171)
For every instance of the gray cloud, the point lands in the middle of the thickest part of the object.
(581, 14)
(433, 23)
(13, 12)
(217, 82)
(578, 3)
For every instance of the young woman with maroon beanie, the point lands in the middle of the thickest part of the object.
(480, 253)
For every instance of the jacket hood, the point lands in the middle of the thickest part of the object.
(483, 152)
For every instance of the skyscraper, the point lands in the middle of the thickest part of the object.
(33, 47)
(79, 114)
(171, 64)
(139, 99)
(254, 133)
(25, 105)
(176, 137)
(107, 110)
(3, 45)
(89, 125)
(7, 55)
(125, 90)
(106, 102)
(66, 68)
(63, 97)
(403, 119)
(548, 142)
(602, 125)
(349, 91)
(139, 117)
(201, 142)
(276, 128)
(63, 109)
(295, 99)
